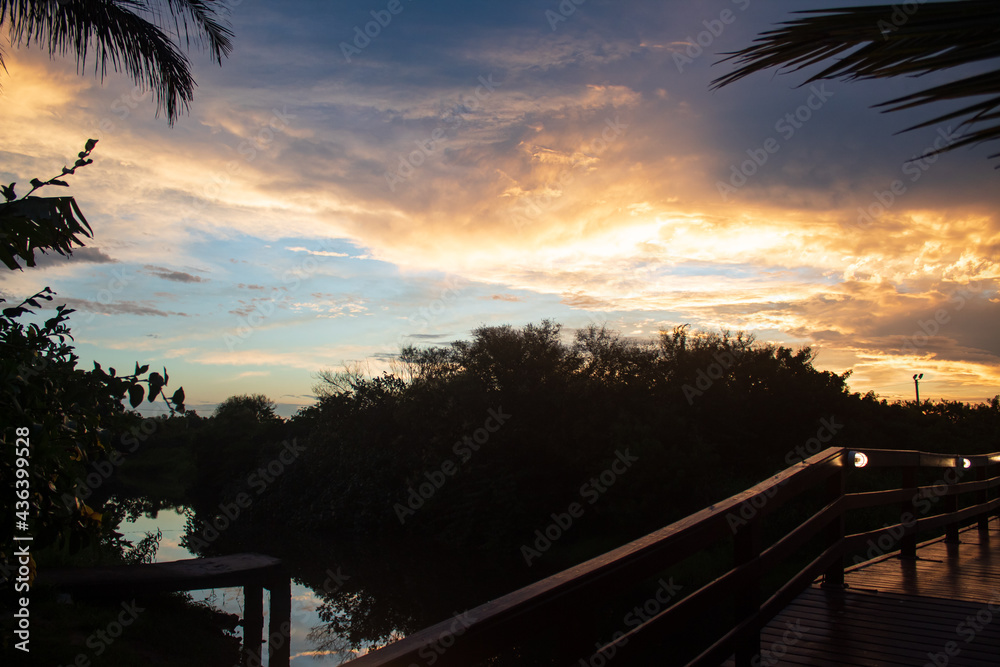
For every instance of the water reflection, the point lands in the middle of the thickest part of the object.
(173, 522)
(347, 595)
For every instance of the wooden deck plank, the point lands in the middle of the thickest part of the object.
(899, 613)
(969, 571)
(857, 628)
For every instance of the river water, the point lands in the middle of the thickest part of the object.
(305, 600)
(352, 592)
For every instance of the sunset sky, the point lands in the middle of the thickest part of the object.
(330, 199)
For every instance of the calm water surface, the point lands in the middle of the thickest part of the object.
(305, 601)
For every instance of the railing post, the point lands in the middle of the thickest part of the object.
(908, 543)
(746, 549)
(982, 476)
(834, 576)
(951, 505)
(280, 624)
(253, 623)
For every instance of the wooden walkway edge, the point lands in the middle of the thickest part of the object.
(253, 572)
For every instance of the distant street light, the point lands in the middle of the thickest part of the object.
(916, 385)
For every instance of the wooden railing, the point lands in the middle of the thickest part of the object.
(254, 572)
(562, 601)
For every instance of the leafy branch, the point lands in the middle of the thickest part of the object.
(119, 386)
(72, 412)
(82, 160)
(42, 223)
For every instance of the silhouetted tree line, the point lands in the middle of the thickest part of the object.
(476, 444)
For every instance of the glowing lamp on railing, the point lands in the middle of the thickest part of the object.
(966, 463)
(860, 459)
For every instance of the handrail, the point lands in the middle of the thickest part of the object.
(566, 597)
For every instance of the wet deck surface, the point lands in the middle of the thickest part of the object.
(940, 610)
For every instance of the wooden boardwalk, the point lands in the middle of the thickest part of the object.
(934, 610)
(940, 610)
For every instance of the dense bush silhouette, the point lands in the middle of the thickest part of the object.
(485, 439)
(704, 414)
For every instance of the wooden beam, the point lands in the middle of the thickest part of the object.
(180, 575)
(249, 570)
(253, 624)
(280, 623)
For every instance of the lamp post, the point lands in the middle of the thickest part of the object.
(916, 385)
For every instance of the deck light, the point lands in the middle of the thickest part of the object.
(860, 459)
(966, 463)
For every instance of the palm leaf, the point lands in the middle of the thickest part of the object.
(39, 223)
(120, 37)
(203, 15)
(884, 41)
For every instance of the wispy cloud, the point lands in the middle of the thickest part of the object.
(319, 253)
(143, 309)
(175, 276)
(583, 179)
(252, 374)
(86, 254)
